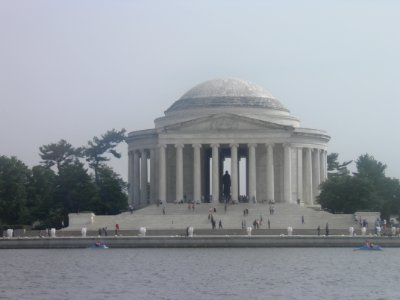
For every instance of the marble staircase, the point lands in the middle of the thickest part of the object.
(178, 216)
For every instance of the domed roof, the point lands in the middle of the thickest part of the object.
(227, 93)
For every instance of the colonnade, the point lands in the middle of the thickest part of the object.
(309, 163)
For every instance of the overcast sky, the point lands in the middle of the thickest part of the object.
(75, 69)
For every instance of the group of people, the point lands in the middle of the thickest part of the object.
(103, 231)
(326, 230)
(44, 233)
(211, 211)
(369, 244)
(257, 223)
(271, 209)
(214, 223)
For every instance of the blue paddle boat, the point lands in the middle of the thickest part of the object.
(99, 245)
(370, 247)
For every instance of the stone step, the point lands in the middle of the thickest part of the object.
(179, 217)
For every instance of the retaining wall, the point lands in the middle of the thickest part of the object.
(195, 242)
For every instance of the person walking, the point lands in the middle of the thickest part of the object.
(319, 230)
(327, 229)
(269, 224)
(220, 224)
(302, 219)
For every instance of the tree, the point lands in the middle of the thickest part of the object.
(387, 189)
(41, 201)
(99, 147)
(369, 167)
(14, 178)
(390, 192)
(335, 168)
(112, 192)
(347, 194)
(75, 191)
(368, 189)
(59, 154)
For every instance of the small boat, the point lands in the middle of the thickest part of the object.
(370, 248)
(99, 245)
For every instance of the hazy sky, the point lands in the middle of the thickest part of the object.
(75, 69)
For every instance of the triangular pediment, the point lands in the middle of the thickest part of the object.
(224, 122)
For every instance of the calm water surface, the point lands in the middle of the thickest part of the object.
(332, 273)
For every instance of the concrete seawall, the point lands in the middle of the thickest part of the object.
(195, 242)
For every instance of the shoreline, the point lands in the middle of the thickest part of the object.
(197, 241)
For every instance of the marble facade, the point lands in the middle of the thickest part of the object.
(182, 157)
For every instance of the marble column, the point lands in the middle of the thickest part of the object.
(179, 172)
(300, 175)
(307, 179)
(143, 178)
(206, 176)
(238, 168)
(162, 174)
(270, 173)
(152, 175)
(321, 166)
(325, 163)
(316, 178)
(287, 171)
(234, 173)
(136, 178)
(252, 173)
(130, 178)
(196, 173)
(215, 173)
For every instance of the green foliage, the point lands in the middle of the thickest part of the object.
(75, 190)
(370, 168)
(41, 193)
(59, 154)
(368, 189)
(347, 194)
(44, 198)
(14, 180)
(335, 168)
(390, 192)
(98, 148)
(112, 192)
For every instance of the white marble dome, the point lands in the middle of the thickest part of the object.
(227, 96)
(227, 93)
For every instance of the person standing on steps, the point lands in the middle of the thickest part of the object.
(327, 229)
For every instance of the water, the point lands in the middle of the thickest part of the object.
(270, 273)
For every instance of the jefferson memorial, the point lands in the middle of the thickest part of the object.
(220, 125)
